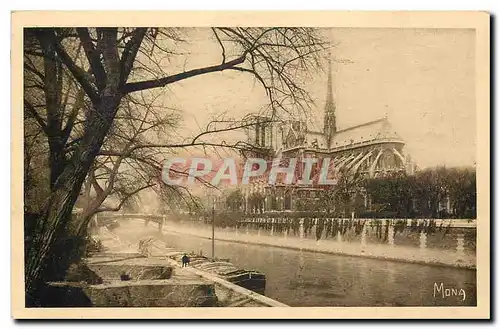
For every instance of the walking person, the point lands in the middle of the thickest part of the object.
(185, 260)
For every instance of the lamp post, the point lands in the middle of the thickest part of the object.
(213, 229)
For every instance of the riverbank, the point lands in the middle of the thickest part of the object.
(125, 241)
(405, 254)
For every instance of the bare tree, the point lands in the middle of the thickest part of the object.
(94, 70)
(341, 195)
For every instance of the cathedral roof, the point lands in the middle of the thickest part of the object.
(370, 132)
(376, 130)
(300, 135)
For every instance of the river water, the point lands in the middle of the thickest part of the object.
(300, 278)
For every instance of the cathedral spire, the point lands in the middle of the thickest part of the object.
(329, 90)
(329, 128)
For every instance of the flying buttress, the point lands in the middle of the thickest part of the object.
(360, 162)
(348, 166)
(374, 164)
(342, 162)
(401, 157)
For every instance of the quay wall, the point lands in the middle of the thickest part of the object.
(442, 234)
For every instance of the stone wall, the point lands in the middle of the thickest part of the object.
(419, 233)
(115, 280)
(146, 293)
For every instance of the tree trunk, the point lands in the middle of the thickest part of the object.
(54, 220)
(49, 227)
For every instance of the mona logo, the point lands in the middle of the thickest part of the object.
(440, 290)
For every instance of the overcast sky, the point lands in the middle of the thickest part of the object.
(423, 79)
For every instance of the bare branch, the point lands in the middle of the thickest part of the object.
(32, 111)
(130, 52)
(80, 75)
(150, 84)
(221, 45)
(93, 57)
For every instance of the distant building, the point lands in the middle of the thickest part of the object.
(370, 149)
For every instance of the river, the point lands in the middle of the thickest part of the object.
(300, 278)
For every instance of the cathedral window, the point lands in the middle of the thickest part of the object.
(263, 136)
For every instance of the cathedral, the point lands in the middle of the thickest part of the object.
(371, 149)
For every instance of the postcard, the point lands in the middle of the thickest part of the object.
(251, 165)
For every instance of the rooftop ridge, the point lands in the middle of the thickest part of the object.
(314, 132)
(363, 124)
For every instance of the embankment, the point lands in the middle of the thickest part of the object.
(428, 256)
(227, 294)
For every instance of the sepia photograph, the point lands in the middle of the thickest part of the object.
(250, 165)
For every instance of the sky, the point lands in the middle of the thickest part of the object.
(422, 79)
